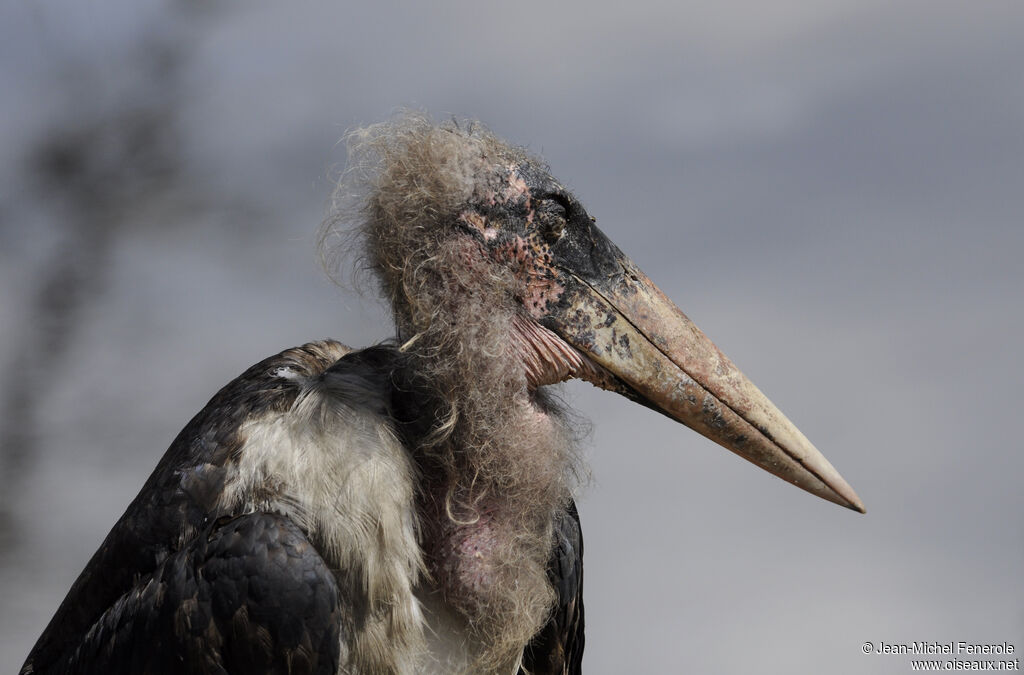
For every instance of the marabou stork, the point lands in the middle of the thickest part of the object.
(407, 508)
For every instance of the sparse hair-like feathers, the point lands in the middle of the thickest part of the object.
(497, 458)
(405, 180)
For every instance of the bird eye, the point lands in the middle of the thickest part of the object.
(557, 208)
(558, 205)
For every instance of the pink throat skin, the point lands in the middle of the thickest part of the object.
(466, 557)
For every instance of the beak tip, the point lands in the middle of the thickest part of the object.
(858, 507)
(845, 496)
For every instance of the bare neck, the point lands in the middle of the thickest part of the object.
(497, 461)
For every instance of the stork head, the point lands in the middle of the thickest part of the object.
(454, 217)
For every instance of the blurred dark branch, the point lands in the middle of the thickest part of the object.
(88, 171)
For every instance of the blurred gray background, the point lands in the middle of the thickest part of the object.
(832, 190)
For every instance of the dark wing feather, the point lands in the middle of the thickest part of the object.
(249, 595)
(558, 648)
(162, 528)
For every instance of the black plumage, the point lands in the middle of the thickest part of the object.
(558, 647)
(179, 586)
(134, 607)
